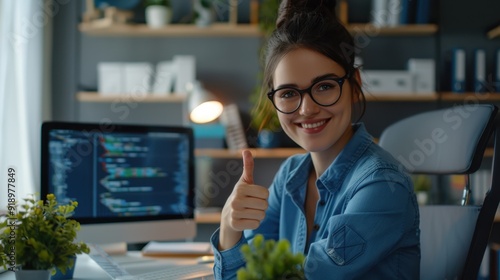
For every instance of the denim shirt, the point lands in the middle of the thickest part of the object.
(366, 222)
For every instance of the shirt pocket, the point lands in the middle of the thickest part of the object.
(344, 245)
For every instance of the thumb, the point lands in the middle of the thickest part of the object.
(248, 164)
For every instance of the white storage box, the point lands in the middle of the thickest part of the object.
(387, 82)
(119, 78)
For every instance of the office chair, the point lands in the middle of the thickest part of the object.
(453, 238)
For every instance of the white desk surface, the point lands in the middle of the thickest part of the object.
(133, 262)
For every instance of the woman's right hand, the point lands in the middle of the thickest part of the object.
(245, 208)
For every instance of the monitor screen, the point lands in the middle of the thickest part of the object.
(133, 183)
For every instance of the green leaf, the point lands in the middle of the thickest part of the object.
(268, 259)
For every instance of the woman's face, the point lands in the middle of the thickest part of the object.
(314, 127)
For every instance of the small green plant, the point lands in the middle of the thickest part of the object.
(40, 236)
(207, 4)
(422, 183)
(268, 13)
(263, 114)
(267, 259)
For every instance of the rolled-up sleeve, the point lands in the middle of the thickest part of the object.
(227, 262)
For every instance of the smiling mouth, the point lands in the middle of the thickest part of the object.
(313, 125)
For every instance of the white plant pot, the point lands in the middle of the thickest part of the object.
(158, 16)
(422, 197)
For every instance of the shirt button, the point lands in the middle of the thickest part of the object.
(322, 203)
(316, 227)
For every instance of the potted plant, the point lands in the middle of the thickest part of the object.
(263, 115)
(422, 184)
(40, 238)
(267, 259)
(158, 13)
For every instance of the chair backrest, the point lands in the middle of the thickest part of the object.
(449, 141)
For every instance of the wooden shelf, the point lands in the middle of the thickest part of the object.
(96, 97)
(400, 30)
(403, 97)
(444, 96)
(240, 30)
(488, 152)
(400, 97)
(210, 216)
(214, 217)
(172, 30)
(494, 33)
(453, 96)
(278, 153)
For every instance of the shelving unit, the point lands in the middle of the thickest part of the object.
(96, 97)
(453, 96)
(239, 30)
(400, 97)
(257, 153)
(87, 96)
(173, 30)
(214, 217)
(400, 30)
(207, 217)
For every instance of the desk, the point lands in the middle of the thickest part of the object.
(133, 262)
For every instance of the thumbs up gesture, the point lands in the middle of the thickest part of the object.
(245, 208)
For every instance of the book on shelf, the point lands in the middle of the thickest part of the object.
(457, 70)
(479, 70)
(423, 11)
(401, 12)
(408, 11)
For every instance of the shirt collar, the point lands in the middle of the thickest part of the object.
(334, 175)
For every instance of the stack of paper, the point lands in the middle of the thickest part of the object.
(180, 249)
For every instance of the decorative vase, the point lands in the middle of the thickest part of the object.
(158, 16)
(32, 275)
(205, 15)
(269, 139)
(69, 271)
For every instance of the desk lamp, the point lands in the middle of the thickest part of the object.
(203, 106)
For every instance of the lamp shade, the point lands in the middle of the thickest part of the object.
(203, 106)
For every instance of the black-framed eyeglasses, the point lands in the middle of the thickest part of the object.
(324, 92)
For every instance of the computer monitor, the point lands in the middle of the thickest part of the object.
(133, 183)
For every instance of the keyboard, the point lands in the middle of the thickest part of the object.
(106, 262)
(115, 271)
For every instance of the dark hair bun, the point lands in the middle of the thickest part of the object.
(290, 9)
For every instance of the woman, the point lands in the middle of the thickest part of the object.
(346, 204)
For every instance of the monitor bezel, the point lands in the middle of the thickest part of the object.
(120, 128)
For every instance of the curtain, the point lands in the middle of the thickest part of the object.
(24, 93)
